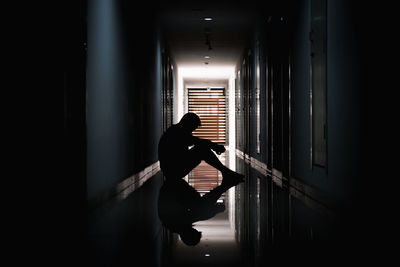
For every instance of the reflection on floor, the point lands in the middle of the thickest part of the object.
(217, 247)
(205, 177)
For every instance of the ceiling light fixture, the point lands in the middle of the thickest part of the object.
(206, 56)
(208, 19)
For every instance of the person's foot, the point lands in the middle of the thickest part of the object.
(231, 178)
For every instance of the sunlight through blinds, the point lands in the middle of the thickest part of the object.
(210, 105)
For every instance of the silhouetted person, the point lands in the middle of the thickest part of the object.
(180, 205)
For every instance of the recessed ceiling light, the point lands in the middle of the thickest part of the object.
(207, 255)
(208, 18)
(206, 56)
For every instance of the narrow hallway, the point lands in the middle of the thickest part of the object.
(277, 83)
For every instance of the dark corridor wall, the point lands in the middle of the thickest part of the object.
(288, 205)
(344, 100)
(124, 114)
(124, 123)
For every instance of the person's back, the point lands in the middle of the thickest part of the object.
(174, 141)
(172, 149)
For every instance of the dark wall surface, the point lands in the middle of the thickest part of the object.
(123, 95)
(124, 124)
(296, 207)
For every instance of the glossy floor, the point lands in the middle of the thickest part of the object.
(217, 247)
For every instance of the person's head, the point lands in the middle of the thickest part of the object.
(190, 121)
(190, 236)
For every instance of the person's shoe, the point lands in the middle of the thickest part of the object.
(232, 178)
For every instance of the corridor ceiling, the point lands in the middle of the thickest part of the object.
(190, 38)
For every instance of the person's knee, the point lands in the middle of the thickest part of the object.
(202, 151)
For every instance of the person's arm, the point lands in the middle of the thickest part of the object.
(208, 143)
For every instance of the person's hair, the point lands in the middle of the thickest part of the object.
(191, 118)
(190, 236)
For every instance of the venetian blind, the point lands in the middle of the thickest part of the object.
(210, 105)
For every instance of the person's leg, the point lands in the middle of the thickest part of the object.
(207, 206)
(182, 166)
(230, 178)
(207, 212)
(186, 163)
(204, 153)
(210, 198)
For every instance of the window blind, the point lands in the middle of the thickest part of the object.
(210, 105)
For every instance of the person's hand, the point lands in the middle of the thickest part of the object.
(219, 149)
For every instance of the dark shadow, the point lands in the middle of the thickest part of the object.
(179, 204)
(122, 232)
